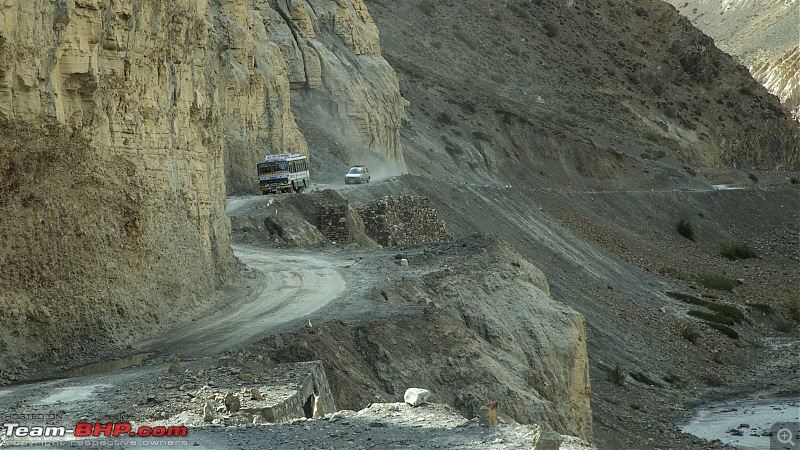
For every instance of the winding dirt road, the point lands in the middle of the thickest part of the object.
(286, 286)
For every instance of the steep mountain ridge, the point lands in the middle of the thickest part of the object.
(580, 90)
(763, 35)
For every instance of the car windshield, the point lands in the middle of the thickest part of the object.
(355, 170)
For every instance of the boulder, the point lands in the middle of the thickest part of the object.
(416, 396)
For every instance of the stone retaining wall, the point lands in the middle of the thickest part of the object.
(403, 221)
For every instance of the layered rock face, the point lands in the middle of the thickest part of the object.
(114, 214)
(327, 55)
(150, 106)
(340, 81)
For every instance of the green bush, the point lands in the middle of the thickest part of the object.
(615, 375)
(685, 229)
(689, 334)
(480, 135)
(644, 379)
(763, 307)
(453, 150)
(785, 326)
(724, 329)
(714, 380)
(726, 313)
(740, 250)
(795, 180)
(652, 135)
(550, 29)
(444, 118)
(753, 178)
(717, 282)
(427, 6)
(711, 317)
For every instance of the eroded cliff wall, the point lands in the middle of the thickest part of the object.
(124, 123)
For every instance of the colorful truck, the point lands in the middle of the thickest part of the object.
(283, 172)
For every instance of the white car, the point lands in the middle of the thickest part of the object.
(357, 175)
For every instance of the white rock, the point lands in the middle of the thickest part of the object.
(416, 396)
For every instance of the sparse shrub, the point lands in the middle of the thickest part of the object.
(794, 311)
(633, 76)
(752, 177)
(714, 380)
(795, 180)
(635, 406)
(550, 29)
(785, 326)
(646, 156)
(763, 307)
(644, 379)
(657, 89)
(641, 12)
(717, 282)
(437, 44)
(412, 70)
(427, 6)
(453, 150)
(673, 379)
(724, 329)
(670, 111)
(444, 118)
(615, 375)
(469, 107)
(690, 334)
(722, 313)
(482, 136)
(520, 11)
(736, 251)
(651, 135)
(463, 37)
(690, 171)
(711, 317)
(746, 90)
(685, 229)
(673, 272)
(660, 154)
(587, 70)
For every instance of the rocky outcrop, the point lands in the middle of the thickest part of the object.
(782, 78)
(484, 330)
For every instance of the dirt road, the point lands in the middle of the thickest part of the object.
(276, 288)
(283, 286)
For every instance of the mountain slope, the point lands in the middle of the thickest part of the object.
(763, 35)
(577, 88)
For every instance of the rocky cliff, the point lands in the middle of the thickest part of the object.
(125, 123)
(762, 34)
(473, 322)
